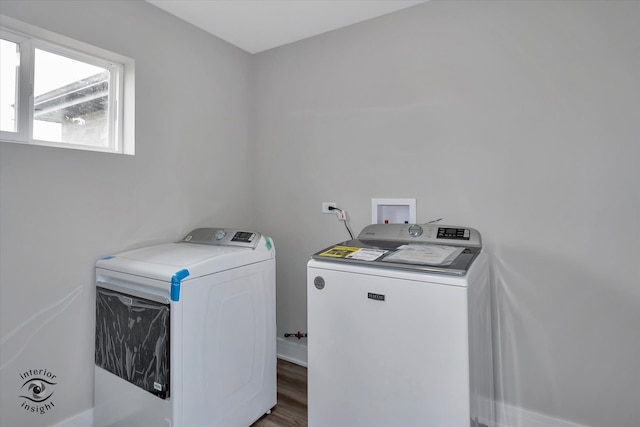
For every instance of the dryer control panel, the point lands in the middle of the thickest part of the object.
(223, 237)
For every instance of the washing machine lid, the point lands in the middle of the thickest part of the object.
(202, 252)
(443, 249)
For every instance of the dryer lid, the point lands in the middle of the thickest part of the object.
(200, 253)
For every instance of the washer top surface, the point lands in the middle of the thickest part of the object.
(201, 252)
(433, 248)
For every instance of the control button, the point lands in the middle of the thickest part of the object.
(220, 234)
(415, 230)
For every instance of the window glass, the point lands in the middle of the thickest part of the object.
(71, 101)
(9, 63)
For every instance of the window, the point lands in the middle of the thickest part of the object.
(59, 92)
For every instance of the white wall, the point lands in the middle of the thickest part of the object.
(61, 209)
(521, 119)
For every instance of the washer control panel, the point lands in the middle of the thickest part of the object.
(223, 237)
(423, 233)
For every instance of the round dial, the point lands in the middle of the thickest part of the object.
(220, 234)
(415, 230)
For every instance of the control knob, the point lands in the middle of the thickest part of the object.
(415, 230)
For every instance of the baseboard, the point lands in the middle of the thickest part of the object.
(84, 419)
(292, 351)
(506, 415)
(514, 416)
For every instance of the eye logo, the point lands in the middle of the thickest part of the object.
(36, 391)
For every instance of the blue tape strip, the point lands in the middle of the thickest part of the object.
(108, 257)
(175, 284)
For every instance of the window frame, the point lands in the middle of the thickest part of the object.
(121, 109)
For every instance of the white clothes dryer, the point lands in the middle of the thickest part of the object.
(399, 330)
(186, 332)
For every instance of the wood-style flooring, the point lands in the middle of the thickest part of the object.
(291, 409)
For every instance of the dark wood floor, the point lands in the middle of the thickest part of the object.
(291, 409)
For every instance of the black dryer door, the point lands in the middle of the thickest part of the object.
(132, 338)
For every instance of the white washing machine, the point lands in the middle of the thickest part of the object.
(186, 332)
(399, 330)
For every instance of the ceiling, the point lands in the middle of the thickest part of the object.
(258, 25)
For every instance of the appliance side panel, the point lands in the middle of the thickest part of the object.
(229, 374)
(385, 351)
(480, 344)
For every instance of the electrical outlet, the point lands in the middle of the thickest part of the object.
(326, 206)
